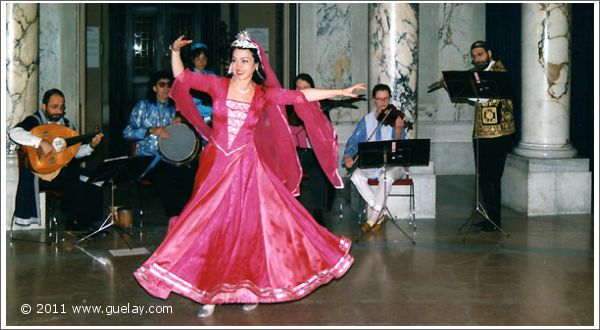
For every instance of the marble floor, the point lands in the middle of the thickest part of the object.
(542, 274)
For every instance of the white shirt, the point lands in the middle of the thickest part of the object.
(23, 137)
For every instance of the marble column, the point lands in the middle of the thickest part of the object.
(21, 63)
(542, 177)
(22, 26)
(393, 50)
(393, 60)
(546, 66)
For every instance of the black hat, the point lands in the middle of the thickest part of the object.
(479, 44)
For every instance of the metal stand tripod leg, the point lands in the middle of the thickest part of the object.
(478, 206)
(107, 223)
(385, 208)
(110, 219)
(385, 211)
(394, 221)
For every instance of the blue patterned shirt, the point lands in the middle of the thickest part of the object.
(205, 110)
(143, 116)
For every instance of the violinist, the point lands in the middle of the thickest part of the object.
(386, 122)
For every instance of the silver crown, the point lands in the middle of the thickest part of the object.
(243, 41)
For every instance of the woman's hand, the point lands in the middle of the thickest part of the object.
(350, 91)
(176, 62)
(179, 43)
(316, 94)
(399, 123)
(348, 162)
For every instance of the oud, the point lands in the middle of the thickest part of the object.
(48, 166)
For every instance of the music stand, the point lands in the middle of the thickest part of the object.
(116, 170)
(464, 86)
(413, 152)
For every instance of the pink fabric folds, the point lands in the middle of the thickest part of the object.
(319, 129)
(242, 237)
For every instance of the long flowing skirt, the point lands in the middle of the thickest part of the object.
(243, 238)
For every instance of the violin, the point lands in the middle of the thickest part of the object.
(389, 115)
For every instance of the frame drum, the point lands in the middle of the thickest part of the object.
(181, 147)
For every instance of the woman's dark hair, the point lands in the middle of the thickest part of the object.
(306, 77)
(49, 93)
(195, 53)
(382, 87)
(158, 75)
(259, 74)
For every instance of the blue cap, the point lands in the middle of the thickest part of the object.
(199, 45)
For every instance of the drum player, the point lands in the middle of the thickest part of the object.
(148, 123)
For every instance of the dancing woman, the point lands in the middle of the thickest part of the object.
(243, 237)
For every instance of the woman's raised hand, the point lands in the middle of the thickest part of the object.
(179, 43)
(350, 91)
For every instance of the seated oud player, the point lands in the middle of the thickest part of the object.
(81, 204)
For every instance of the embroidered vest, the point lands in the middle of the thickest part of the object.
(494, 117)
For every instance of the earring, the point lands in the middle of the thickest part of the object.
(259, 75)
(230, 70)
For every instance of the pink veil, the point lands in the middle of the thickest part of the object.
(274, 139)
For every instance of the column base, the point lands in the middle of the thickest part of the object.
(537, 186)
(537, 151)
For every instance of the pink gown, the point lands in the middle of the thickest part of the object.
(242, 237)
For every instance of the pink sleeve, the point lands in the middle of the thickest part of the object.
(180, 93)
(283, 96)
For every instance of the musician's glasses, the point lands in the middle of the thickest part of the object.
(382, 99)
(57, 106)
(163, 84)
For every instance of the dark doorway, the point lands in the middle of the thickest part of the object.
(140, 35)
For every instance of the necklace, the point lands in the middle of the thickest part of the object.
(241, 91)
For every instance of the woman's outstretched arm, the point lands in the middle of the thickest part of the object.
(317, 94)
